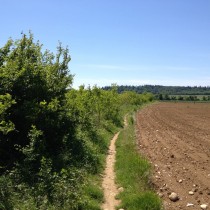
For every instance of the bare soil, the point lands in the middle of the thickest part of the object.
(175, 137)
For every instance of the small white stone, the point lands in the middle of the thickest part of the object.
(203, 206)
(121, 189)
(173, 197)
(190, 204)
(191, 193)
(180, 181)
(160, 195)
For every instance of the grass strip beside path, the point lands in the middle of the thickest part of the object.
(133, 173)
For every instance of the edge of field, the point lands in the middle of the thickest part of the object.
(133, 172)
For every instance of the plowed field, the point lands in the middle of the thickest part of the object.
(175, 137)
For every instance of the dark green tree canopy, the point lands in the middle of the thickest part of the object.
(33, 85)
(27, 72)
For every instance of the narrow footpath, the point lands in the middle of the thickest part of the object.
(108, 184)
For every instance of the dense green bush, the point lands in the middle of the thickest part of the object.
(39, 138)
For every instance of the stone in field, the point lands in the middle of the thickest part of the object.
(203, 206)
(190, 204)
(173, 197)
(191, 193)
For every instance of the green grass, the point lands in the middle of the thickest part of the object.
(93, 193)
(133, 173)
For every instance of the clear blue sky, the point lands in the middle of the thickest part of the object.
(128, 42)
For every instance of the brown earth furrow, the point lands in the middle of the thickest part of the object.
(176, 139)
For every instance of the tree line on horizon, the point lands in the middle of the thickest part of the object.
(164, 90)
(166, 97)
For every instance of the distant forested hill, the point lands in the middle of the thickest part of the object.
(170, 90)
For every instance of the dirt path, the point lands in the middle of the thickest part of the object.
(175, 137)
(108, 184)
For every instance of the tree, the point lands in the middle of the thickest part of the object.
(33, 85)
(204, 98)
(5, 103)
(173, 98)
(160, 96)
(180, 98)
(167, 97)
